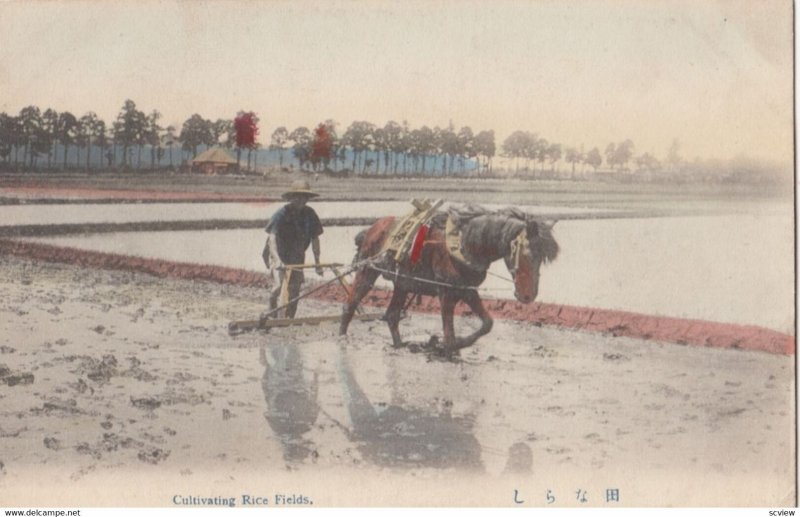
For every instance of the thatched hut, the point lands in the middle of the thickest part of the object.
(214, 161)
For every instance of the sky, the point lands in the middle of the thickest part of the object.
(714, 74)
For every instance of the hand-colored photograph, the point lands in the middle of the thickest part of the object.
(273, 254)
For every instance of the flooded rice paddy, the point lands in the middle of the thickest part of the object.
(149, 212)
(725, 268)
(144, 373)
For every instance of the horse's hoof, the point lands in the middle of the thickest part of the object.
(415, 348)
(439, 349)
(461, 343)
(441, 354)
(435, 343)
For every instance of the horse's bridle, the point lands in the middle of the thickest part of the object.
(519, 246)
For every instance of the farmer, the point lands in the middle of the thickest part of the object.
(289, 232)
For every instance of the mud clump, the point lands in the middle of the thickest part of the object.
(170, 397)
(136, 372)
(152, 455)
(12, 378)
(149, 403)
(69, 406)
(112, 442)
(17, 378)
(101, 371)
(52, 443)
(104, 370)
(81, 387)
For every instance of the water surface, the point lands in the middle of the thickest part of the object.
(735, 268)
(149, 212)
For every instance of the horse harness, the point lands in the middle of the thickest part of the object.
(408, 234)
(519, 246)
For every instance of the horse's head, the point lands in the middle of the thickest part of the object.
(533, 245)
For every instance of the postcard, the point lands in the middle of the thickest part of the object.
(272, 254)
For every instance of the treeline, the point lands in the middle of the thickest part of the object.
(393, 149)
(36, 139)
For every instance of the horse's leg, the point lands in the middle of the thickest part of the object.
(396, 305)
(448, 301)
(472, 299)
(358, 289)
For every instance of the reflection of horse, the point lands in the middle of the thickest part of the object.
(401, 437)
(521, 240)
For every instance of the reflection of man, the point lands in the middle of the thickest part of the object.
(292, 407)
(290, 231)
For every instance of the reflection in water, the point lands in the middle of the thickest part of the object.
(292, 406)
(399, 435)
(407, 437)
(520, 459)
(595, 255)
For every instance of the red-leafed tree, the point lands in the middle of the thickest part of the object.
(322, 145)
(246, 126)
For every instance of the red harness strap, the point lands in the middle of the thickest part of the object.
(419, 241)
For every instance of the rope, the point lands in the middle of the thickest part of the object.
(369, 262)
(397, 274)
(501, 277)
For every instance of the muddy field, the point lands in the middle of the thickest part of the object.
(122, 388)
(123, 376)
(145, 187)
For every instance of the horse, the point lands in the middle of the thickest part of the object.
(523, 241)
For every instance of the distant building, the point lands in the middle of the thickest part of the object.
(214, 161)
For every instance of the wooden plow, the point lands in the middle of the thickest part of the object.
(266, 323)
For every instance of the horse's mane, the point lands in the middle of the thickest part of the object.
(462, 215)
(543, 243)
